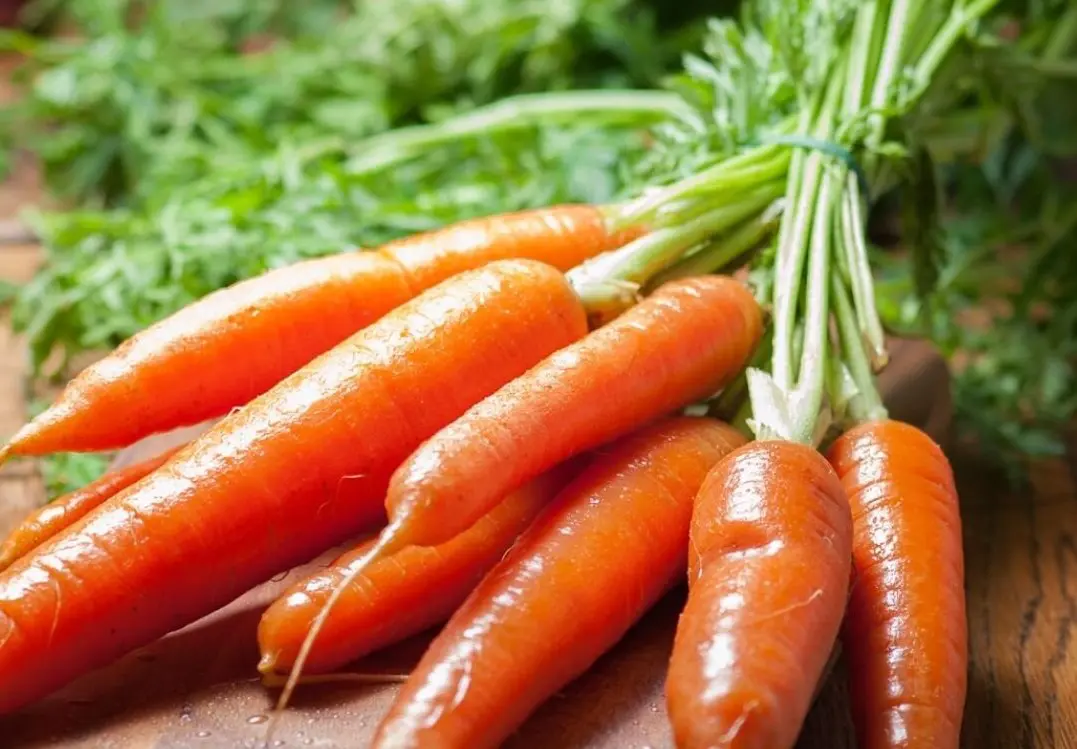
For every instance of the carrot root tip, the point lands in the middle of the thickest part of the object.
(392, 539)
(267, 664)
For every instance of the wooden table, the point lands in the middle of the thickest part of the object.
(196, 688)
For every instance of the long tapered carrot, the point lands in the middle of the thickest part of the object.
(682, 343)
(905, 633)
(298, 470)
(45, 522)
(234, 344)
(769, 572)
(611, 543)
(413, 590)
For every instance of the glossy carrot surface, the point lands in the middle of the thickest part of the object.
(613, 541)
(300, 469)
(45, 522)
(769, 562)
(905, 635)
(682, 343)
(230, 346)
(402, 595)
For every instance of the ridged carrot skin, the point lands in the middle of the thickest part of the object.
(905, 633)
(298, 470)
(612, 542)
(234, 344)
(45, 522)
(769, 573)
(402, 595)
(681, 343)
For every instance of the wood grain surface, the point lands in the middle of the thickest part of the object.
(195, 689)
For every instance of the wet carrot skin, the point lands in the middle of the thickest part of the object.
(683, 342)
(217, 353)
(45, 522)
(905, 635)
(407, 593)
(769, 566)
(608, 547)
(271, 325)
(302, 468)
(562, 236)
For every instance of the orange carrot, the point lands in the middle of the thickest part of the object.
(612, 542)
(769, 572)
(298, 470)
(682, 343)
(413, 590)
(45, 522)
(905, 631)
(234, 344)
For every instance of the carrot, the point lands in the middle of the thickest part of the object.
(682, 343)
(298, 470)
(768, 577)
(45, 522)
(413, 590)
(905, 632)
(608, 547)
(234, 344)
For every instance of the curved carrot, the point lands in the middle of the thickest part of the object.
(232, 345)
(769, 572)
(301, 468)
(411, 591)
(905, 632)
(612, 542)
(682, 343)
(45, 522)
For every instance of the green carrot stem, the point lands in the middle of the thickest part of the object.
(811, 379)
(860, 277)
(867, 405)
(727, 250)
(514, 113)
(962, 15)
(803, 186)
(639, 261)
(886, 69)
(859, 70)
(744, 170)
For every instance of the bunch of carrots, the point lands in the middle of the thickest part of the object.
(503, 402)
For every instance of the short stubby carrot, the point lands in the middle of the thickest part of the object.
(680, 344)
(769, 563)
(402, 595)
(45, 522)
(300, 469)
(905, 634)
(609, 546)
(236, 343)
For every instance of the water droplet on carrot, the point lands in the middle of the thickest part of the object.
(256, 719)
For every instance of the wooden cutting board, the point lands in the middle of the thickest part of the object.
(196, 689)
